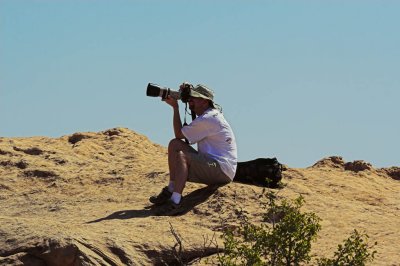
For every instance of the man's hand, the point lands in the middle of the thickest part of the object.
(171, 101)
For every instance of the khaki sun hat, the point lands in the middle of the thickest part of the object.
(202, 91)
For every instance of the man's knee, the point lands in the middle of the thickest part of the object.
(177, 145)
(179, 151)
(184, 157)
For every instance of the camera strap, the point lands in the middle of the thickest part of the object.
(184, 118)
(184, 121)
(192, 113)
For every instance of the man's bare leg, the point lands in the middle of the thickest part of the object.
(179, 162)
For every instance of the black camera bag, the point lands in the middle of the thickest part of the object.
(265, 172)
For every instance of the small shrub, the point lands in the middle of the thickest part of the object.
(355, 252)
(285, 237)
(287, 242)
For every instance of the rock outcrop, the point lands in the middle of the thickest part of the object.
(82, 199)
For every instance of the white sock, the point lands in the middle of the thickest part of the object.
(171, 186)
(176, 197)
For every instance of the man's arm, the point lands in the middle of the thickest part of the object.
(176, 120)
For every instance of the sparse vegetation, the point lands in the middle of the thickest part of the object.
(285, 237)
(354, 251)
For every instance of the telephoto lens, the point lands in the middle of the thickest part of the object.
(154, 90)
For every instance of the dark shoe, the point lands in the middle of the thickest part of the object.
(170, 208)
(161, 198)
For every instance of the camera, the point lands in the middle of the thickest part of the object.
(154, 90)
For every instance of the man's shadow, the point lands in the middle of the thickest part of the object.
(189, 202)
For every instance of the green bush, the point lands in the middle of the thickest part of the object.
(355, 251)
(284, 238)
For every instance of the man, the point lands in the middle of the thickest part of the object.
(215, 160)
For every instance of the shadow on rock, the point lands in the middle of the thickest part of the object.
(189, 202)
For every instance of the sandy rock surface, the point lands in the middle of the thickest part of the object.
(82, 199)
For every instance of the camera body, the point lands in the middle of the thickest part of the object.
(154, 90)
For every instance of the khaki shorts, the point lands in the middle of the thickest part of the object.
(206, 170)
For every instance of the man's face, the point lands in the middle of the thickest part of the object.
(197, 104)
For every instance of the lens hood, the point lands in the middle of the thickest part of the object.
(153, 90)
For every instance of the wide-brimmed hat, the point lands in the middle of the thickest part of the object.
(201, 91)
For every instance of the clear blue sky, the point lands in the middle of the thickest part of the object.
(299, 80)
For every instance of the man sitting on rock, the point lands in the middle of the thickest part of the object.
(215, 160)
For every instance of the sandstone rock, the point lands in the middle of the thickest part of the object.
(358, 166)
(82, 199)
(393, 172)
(332, 162)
